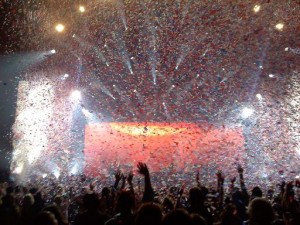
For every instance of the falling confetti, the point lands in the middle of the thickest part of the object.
(144, 67)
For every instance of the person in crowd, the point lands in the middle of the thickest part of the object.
(260, 212)
(91, 215)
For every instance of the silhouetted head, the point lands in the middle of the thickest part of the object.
(105, 192)
(28, 201)
(8, 200)
(45, 218)
(196, 197)
(257, 192)
(124, 202)
(177, 217)
(149, 214)
(260, 212)
(90, 201)
(198, 220)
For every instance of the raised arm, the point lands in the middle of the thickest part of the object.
(220, 188)
(148, 195)
(242, 183)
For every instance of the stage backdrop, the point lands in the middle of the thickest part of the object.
(176, 146)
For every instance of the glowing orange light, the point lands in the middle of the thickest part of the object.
(146, 130)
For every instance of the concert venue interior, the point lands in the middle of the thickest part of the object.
(182, 85)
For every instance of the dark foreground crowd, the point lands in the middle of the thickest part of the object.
(52, 203)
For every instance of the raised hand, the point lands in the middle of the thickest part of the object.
(118, 175)
(232, 180)
(220, 176)
(130, 178)
(143, 169)
(148, 195)
(240, 169)
(123, 177)
(198, 177)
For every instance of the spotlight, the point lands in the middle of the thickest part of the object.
(18, 169)
(76, 95)
(271, 75)
(247, 112)
(53, 51)
(56, 174)
(286, 49)
(65, 76)
(256, 8)
(259, 96)
(86, 112)
(74, 170)
(81, 9)
(59, 28)
(279, 26)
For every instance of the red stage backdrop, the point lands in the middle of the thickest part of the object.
(160, 145)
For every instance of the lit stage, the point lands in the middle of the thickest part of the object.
(175, 146)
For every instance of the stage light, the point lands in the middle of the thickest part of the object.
(247, 112)
(86, 112)
(271, 75)
(286, 49)
(53, 51)
(56, 173)
(256, 8)
(81, 9)
(279, 26)
(259, 96)
(76, 95)
(59, 28)
(66, 75)
(18, 169)
(74, 170)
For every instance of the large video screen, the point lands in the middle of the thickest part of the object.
(179, 147)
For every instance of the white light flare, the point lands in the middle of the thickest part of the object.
(259, 96)
(279, 26)
(31, 141)
(18, 169)
(74, 170)
(53, 51)
(247, 112)
(256, 8)
(59, 28)
(81, 9)
(56, 173)
(76, 95)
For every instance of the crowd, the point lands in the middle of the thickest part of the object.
(81, 202)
